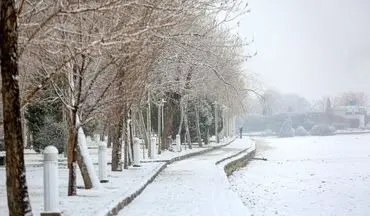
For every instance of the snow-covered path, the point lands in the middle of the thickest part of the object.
(308, 176)
(194, 186)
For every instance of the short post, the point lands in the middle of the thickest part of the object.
(178, 143)
(51, 184)
(241, 132)
(153, 146)
(102, 158)
(137, 152)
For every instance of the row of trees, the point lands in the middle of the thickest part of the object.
(114, 64)
(271, 102)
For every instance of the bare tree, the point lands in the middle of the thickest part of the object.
(16, 184)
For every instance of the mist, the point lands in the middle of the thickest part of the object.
(311, 48)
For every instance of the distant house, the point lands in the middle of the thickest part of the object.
(356, 115)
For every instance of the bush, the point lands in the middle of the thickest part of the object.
(322, 130)
(268, 132)
(286, 129)
(308, 124)
(90, 128)
(52, 133)
(301, 131)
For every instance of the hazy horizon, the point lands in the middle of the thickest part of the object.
(310, 48)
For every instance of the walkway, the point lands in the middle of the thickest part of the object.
(193, 187)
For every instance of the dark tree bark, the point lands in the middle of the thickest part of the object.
(110, 136)
(102, 135)
(168, 125)
(16, 185)
(117, 145)
(131, 138)
(72, 158)
(143, 129)
(168, 131)
(125, 137)
(197, 119)
(186, 122)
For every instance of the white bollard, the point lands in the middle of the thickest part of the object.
(102, 158)
(153, 147)
(51, 178)
(178, 143)
(137, 155)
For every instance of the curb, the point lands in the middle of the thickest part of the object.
(234, 155)
(126, 201)
(183, 157)
(123, 203)
(238, 161)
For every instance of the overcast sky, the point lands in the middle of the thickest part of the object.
(310, 47)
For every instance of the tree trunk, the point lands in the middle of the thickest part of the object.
(102, 135)
(26, 142)
(206, 141)
(117, 145)
(216, 124)
(186, 122)
(110, 135)
(16, 184)
(79, 154)
(72, 159)
(181, 117)
(131, 133)
(143, 129)
(125, 140)
(168, 125)
(199, 138)
(128, 138)
(149, 126)
(159, 127)
(140, 129)
(84, 162)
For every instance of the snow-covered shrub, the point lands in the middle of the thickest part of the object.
(322, 130)
(53, 133)
(286, 129)
(268, 132)
(301, 131)
(90, 128)
(332, 129)
(308, 124)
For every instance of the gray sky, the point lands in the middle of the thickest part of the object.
(310, 47)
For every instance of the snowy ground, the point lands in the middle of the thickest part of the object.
(308, 176)
(88, 202)
(193, 187)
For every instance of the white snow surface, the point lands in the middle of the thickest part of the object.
(88, 202)
(192, 187)
(307, 176)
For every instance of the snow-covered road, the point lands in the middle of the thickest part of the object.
(193, 187)
(308, 176)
